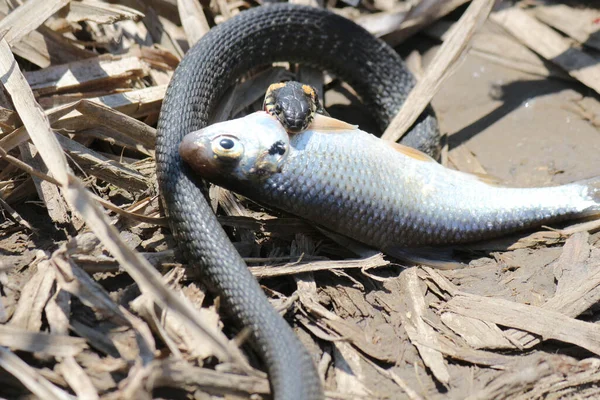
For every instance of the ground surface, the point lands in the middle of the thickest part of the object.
(526, 130)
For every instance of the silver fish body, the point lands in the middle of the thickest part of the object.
(379, 193)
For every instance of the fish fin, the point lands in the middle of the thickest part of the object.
(328, 124)
(410, 152)
(420, 156)
(486, 178)
(436, 257)
(354, 246)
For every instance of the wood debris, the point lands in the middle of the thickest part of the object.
(578, 63)
(448, 55)
(34, 12)
(100, 12)
(86, 74)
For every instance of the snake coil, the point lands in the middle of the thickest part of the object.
(260, 36)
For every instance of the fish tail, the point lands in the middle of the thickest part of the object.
(592, 187)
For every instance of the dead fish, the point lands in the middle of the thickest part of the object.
(379, 193)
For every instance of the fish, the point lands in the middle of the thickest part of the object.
(377, 192)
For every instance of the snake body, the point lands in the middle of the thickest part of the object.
(258, 37)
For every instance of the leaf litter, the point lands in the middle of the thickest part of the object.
(95, 304)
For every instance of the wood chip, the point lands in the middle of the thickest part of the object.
(99, 166)
(58, 310)
(100, 12)
(450, 52)
(541, 376)
(421, 335)
(551, 45)
(462, 159)
(478, 334)
(165, 33)
(589, 226)
(77, 379)
(135, 103)
(584, 288)
(30, 378)
(14, 215)
(171, 327)
(45, 47)
(37, 342)
(34, 296)
(469, 355)
(420, 17)
(132, 215)
(84, 74)
(193, 20)
(299, 267)
(580, 23)
(384, 22)
(335, 325)
(120, 122)
(168, 373)
(348, 371)
(540, 321)
(47, 192)
(35, 12)
(494, 44)
(572, 263)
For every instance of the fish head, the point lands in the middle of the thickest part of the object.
(245, 149)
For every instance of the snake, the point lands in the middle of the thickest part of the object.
(254, 38)
(294, 104)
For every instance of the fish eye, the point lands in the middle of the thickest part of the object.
(227, 144)
(227, 147)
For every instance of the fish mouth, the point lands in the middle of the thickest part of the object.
(196, 152)
(191, 149)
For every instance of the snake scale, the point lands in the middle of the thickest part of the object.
(257, 37)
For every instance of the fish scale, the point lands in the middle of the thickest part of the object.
(381, 193)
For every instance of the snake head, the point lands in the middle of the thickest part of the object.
(294, 104)
(248, 149)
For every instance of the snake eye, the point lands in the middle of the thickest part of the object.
(308, 120)
(227, 147)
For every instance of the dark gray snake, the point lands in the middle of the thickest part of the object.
(257, 37)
